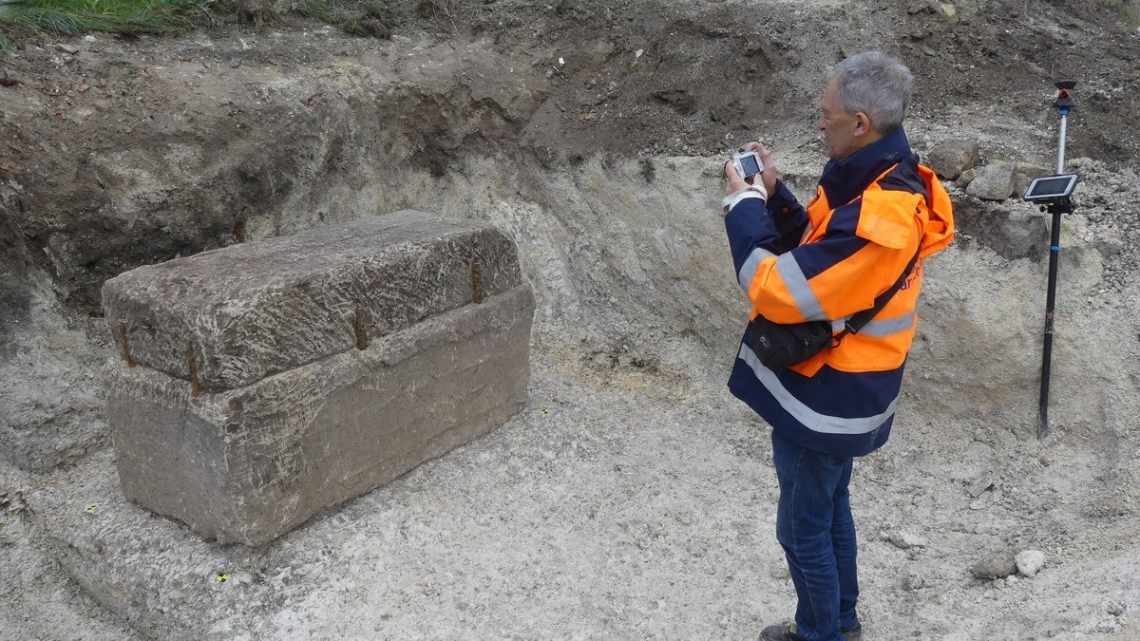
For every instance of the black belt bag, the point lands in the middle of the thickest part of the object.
(781, 346)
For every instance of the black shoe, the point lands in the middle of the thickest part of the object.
(787, 632)
(780, 632)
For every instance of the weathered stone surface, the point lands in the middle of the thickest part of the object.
(1010, 232)
(997, 565)
(247, 465)
(233, 316)
(949, 159)
(966, 178)
(324, 365)
(993, 182)
(1024, 173)
(905, 540)
(1030, 562)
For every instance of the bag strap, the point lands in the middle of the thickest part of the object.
(858, 321)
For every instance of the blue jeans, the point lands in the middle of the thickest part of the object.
(815, 528)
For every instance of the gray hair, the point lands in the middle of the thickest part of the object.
(876, 84)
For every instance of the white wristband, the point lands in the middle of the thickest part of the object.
(752, 191)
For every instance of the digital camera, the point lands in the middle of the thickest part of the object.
(748, 164)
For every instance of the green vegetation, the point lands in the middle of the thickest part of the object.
(371, 18)
(114, 16)
(1131, 13)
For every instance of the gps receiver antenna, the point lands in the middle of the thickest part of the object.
(1064, 104)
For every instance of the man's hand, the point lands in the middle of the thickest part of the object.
(770, 174)
(734, 182)
(737, 188)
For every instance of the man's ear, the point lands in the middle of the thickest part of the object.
(862, 123)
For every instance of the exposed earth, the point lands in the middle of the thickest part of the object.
(633, 498)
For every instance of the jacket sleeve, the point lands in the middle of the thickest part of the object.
(830, 278)
(788, 215)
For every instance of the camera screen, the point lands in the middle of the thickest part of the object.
(749, 165)
(1050, 187)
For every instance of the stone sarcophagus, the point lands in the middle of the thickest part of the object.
(261, 383)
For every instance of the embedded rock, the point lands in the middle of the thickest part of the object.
(1030, 562)
(995, 566)
(950, 159)
(993, 182)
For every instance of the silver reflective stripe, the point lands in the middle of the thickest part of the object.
(748, 270)
(888, 326)
(796, 283)
(808, 417)
(839, 324)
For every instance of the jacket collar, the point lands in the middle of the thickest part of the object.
(846, 178)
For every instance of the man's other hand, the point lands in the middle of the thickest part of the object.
(734, 182)
(770, 174)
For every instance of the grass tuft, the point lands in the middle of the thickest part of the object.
(19, 18)
(1131, 15)
(112, 16)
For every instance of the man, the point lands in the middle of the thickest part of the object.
(876, 212)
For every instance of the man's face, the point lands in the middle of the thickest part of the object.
(841, 131)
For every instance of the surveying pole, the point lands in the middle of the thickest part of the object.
(1053, 193)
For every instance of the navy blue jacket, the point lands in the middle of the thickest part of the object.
(870, 213)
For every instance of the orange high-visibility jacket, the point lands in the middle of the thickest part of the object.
(872, 212)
